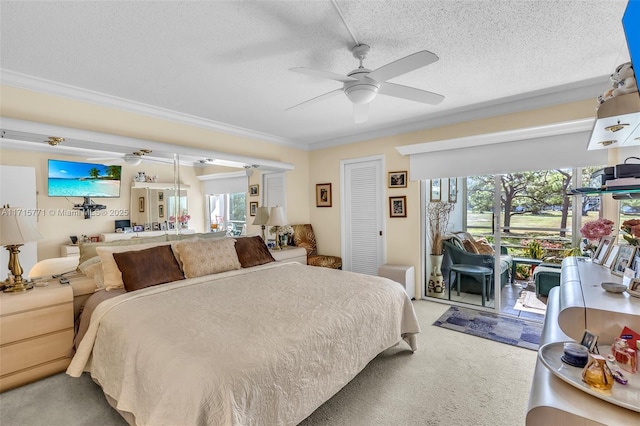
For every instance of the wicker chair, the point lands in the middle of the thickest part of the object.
(303, 236)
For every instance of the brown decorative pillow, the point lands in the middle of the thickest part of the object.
(252, 251)
(148, 267)
(483, 247)
(205, 257)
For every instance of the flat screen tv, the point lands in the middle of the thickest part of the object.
(631, 25)
(74, 179)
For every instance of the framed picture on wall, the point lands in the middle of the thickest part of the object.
(398, 206)
(435, 193)
(141, 204)
(397, 179)
(161, 210)
(323, 195)
(160, 196)
(254, 190)
(453, 190)
(253, 208)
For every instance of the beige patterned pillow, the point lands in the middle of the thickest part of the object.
(207, 257)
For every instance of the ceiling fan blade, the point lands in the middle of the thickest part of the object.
(323, 74)
(410, 93)
(403, 66)
(360, 112)
(317, 98)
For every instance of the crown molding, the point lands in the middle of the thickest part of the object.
(24, 81)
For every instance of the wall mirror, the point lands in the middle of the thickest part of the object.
(154, 208)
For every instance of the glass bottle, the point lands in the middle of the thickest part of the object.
(597, 374)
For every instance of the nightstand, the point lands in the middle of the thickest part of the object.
(36, 334)
(290, 254)
(68, 250)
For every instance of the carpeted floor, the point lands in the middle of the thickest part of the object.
(452, 379)
(503, 329)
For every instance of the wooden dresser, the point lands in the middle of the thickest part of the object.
(36, 334)
(578, 303)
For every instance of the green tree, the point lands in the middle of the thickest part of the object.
(94, 173)
(114, 172)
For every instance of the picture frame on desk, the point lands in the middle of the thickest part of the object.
(611, 256)
(603, 250)
(635, 264)
(623, 259)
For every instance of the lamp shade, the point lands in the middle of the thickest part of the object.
(277, 217)
(16, 228)
(262, 216)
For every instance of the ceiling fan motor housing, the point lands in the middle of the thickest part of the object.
(362, 91)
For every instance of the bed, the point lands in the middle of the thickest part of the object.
(265, 344)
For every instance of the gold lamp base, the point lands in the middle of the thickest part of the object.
(19, 285)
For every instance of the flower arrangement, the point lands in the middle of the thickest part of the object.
(183, 218)
(282, 230)
(593, 231)
(438, 213)
(597, 229)
(631, 229)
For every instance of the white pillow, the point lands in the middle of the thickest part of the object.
(111, 274)
(93, 269)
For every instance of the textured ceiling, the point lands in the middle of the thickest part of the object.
(227, 61)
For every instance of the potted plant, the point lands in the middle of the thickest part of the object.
(438, 215)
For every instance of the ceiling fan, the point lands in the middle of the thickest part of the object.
(132, 159)
(362, 85)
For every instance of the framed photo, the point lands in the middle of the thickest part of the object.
(398, 206)
(453, 190)
(147, 227)
(397, 179)
(634, 287)
(155, 226)
(254, 190)
(163, 226)
(253, 208)
(435, 193)
(623, 259)
(138, 228)
(589, 340)
(611, 256)
(635, 264)
(160, 196)
(323, 195)
(141, 204)
(603, 250)
(161, 210)
(94, 239)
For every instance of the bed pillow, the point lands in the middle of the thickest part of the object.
(110, 271)
(205, 257)
(148, 267)
(93, 269)
(88, 250)
(252, 251)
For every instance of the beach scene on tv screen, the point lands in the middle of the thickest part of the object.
(73, 179)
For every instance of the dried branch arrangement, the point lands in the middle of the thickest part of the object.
(438, 215)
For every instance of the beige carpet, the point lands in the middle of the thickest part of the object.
(453, 379)
(529, 302)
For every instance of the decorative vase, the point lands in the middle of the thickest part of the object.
(436, 285)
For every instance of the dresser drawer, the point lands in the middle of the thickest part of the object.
(31, 352)
(29, 375)
(33, 323)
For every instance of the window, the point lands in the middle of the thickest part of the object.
(227, 212)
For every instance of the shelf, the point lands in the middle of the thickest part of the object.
(158, 185)
(596, 191)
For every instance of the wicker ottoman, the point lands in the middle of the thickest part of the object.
(546, 277)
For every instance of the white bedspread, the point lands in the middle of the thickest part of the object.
(265, 345)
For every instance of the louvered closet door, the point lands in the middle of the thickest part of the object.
(363, 216)
(274, 191)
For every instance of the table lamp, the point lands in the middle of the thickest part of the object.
(262, 217)
(15, 231)
(277, 219)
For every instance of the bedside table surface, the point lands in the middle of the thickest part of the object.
(52, 294)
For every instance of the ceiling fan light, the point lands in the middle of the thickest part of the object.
(361, 93)
(132, 160)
